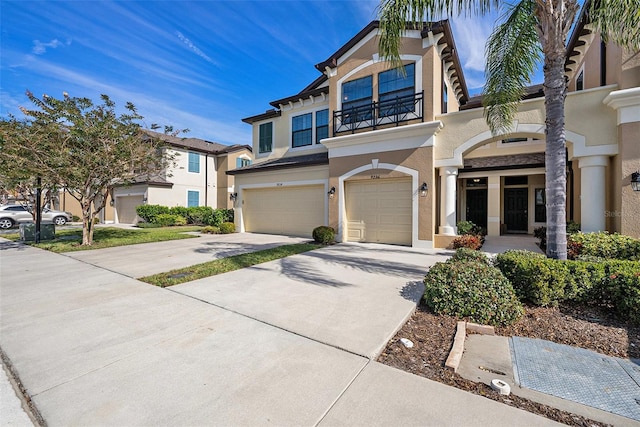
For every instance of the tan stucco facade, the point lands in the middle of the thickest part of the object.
(454, 154)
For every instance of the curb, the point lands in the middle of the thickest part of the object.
(457, 349)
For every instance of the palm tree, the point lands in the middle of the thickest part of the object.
(531, 31)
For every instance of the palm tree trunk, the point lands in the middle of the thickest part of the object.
(555, 88)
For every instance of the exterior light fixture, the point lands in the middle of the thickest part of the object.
(332, 192)
(635, 181)
(423, 189)
(233, 197)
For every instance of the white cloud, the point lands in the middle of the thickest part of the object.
(39, 47)
(471, 34)
(194, 48)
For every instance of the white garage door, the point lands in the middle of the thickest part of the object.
(379, 211)
(126, 208)
(292, 211)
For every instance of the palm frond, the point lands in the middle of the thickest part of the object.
(617, 20)
(396, 16)
(513, 51)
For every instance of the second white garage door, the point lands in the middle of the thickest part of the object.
(379, 211)
(126, 208)
(292, 211)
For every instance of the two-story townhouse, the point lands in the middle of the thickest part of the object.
(399, 158)
(198, 178)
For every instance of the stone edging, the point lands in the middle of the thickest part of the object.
(455, 355)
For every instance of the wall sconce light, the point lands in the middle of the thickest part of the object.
(635, 181)
(331, 192)
(233, 197)
(144, 200)
(111, 202)
(423, 189)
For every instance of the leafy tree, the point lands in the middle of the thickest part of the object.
(85, 148)
(531, 30)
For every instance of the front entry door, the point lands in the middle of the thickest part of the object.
(477, 207)
(516, 218)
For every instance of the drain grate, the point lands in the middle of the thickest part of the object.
(579, 375)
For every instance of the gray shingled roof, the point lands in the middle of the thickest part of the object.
(284, 163)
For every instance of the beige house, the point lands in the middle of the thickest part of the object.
(391, 158)
(198, 179)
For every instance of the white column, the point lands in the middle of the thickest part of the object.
(448, 184)
(592, 192)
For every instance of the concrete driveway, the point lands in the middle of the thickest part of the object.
(94, 347)
(152, 258)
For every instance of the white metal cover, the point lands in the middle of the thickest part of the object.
(379, 211)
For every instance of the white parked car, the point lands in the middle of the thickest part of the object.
(11, 215)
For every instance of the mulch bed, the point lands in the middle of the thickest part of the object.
(587, 327)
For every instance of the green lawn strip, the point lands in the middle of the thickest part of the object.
(224, 265)
(107, 237)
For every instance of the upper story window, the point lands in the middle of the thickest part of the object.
(322, 125)
(265, 142)
(445, 98)
(580, 81)
(396, 91)
(242, 162)
(357, 93)
(302, 130)
(194, 162)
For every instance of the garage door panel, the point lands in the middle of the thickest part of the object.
(294, 211)
(379, 211)
(126, 208)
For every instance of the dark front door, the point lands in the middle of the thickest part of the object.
(477, 207)
(515, 210)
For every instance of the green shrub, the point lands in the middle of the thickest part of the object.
(605, 245)
(228, 215)
(324, 235)
(466, 254)
(465, 227)
(227, 228)
(533, 276)
(200, 215)
(75, 218)
(622, 283)
(541, 233)
(471, 289)
(183, 211)
(167, 220)
(469, 241)
(150, 212)
(210, 229)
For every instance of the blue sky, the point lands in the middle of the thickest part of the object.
(202, 65)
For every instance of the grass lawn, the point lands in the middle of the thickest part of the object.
(223, 265)
(107, 237)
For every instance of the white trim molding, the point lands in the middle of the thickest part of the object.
(378, 141)
(626, 102)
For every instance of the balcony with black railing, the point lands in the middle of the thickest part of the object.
(379, 114)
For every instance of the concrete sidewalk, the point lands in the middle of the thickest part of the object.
(94, 347)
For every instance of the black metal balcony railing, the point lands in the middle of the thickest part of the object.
(390, 111)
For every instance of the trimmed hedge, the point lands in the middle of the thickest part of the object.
(227, 228)
(544, 281)
(166, 220)
(466, 254)
(604, 245)
(324, 235)
(197, 215)
(471, 289)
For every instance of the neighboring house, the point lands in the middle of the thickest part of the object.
(198, 179)
(391, 158)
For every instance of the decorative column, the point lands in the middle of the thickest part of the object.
(592, 197)
(448, 184)
(493, 205)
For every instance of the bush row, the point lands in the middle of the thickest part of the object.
(224, 228)
(180, 215)
(543, 281)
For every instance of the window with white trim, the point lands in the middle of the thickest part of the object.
(194, 162)
(193, 198)
(322, 125)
